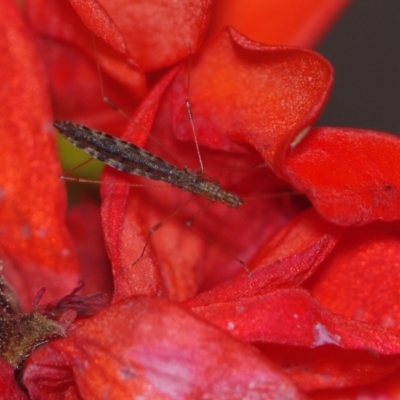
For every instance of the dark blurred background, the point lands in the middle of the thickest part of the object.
(364, 49)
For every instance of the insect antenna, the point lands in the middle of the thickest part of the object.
(113, 105)
(189, 110)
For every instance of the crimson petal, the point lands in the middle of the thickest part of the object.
(256, 94)
(283, 262)
(66, 46)
(33, 237)
(157, 33)
(154, 349)
(350, 175)
(293, 318)
(8, 386)
(360, 278)
(124, 235)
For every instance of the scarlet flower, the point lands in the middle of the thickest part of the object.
(319, 313)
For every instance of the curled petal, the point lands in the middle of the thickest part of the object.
(256, 94)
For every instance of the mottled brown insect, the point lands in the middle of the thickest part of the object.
(129, 158)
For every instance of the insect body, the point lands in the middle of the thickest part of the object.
(129, 158)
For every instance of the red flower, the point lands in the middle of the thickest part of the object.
(318, 314)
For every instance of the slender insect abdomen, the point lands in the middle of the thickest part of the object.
(194, 183)
(127, 157)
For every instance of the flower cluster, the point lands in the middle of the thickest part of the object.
(318, 316)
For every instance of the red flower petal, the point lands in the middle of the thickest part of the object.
(94, 15)
(361, 277)
(33, 236)
(8, 386)
(156, 350)
(287, 260)
(330, 367)
(387, 388)
(348, 174)
(305, 231)
(153, 35)
(254, 93)
(123, 235)
(186, 260)
(83, 221)
(283, 22)
(66, 47)
(157, 33)
(75, 86)
(291, 317)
